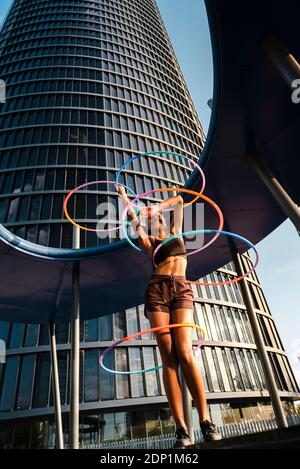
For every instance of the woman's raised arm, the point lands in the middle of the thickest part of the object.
(135, 222)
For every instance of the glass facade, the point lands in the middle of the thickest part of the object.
(98, 429)
(89, 84)
(229, 360)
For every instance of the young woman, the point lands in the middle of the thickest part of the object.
(169, 300)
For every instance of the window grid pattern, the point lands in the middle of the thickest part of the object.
(88, 87)
(89, 84)
(229, 361)
(115, 426)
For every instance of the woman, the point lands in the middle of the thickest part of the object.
(169, 300)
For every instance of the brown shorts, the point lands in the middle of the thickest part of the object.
(168, 292)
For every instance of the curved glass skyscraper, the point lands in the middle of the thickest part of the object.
(90, 83)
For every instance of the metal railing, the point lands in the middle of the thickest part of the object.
(167, 441)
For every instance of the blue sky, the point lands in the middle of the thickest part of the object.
(4, 5)
(279, 268)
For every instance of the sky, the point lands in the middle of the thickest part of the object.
(4, 5)
(279, 267)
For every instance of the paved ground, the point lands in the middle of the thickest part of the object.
(288, 438)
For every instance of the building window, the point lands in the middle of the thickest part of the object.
(153, 424)
(122, 380)
(119, 325)
(106, 328)
(4, 331)
(91, 376)
(63, 369)
(132, 321)
(13, 210)
(108, 428)
(107, 380)
(216, 414)
(234, 370)
(212, 370)
(227, 414)
(243, 369)
(150, 377)
(260, 370)
(122, 430)
(9, 384)
(62, 333)
(138, 424)
(26, 382)
(137, 381)
(42, 381)
(91, 330)
(16, 338)
(223, 367)
(31, 337)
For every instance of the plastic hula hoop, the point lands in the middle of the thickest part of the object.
(151, 153)
(188, 191)
(227, 233)
(137, 334)
(73, 191)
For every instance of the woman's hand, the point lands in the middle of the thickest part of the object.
(151, 211)
(120, 189)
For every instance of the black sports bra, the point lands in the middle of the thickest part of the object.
(175, 247)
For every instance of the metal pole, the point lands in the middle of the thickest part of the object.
(271, 384)
(286, 64)
(281, 196)
(55, 387)
(187, 405)
(75, 348)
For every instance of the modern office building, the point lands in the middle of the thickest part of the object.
(89, 84)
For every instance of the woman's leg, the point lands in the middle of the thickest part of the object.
(183, 341)
(170, 365)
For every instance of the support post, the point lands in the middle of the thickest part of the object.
(271, 384)
(281, 196)
(286, 64)
(75, 347)
(187, 405)
(59, 437)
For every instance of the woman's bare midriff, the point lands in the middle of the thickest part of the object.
(172, 265)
